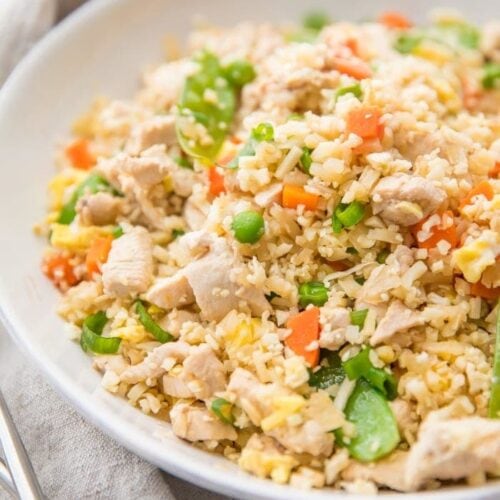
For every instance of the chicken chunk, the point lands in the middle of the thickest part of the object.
(204, 368)
(406, 199)
(129, 269)
(157, 362)
(307, 438)
(268, 196)
(196, 423)
(397, 320)
(175, 387)
(216, 294)
(169, 293)
(173, 321)
(389, 472)
(115, 363)
(194, 214)
(99, 209)
(160, 129)
(334, 321)
(454, 449)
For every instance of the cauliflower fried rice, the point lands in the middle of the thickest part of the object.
(287, 245)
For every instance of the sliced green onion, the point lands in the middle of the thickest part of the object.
(116, 232)
(184, 162)
(382, 255)
(405, 44)
(358, 317)
(248, 226)
(314, 293)
(240, 73)
(223, 409)
(316, 21)
(92, 184)
(296, 116)
(491, 75)
(177, 232)
(91, 339)
(263, 132)
(494, 406)
(330, 373)
(349, 215)
(360, 366)
(376, 428)
(150, 324)
(355, 90)
(458, 33)
(306, 160)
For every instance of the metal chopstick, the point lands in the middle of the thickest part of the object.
(21, 470)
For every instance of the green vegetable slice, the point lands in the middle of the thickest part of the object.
(150, 324)
(177, 232)
(358, 317)
(92, 184)
(405, 44)
(117, 231)
(239, 73)
(355, 90)
(316, 21)
(208, 99)
(491, 75)
(347, 215)
(305, 160)
(91, 339)
(313, 292)
(376, 428)
(263, 132)
(223, 409)
(360, 366)
(382, 255)
(330, 373)
(494, 406)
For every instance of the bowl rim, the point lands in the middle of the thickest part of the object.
(195, 472)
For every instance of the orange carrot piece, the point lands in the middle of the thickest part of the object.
(98, 254)
(292, 196)
(494, 173)
(396, 20)
(216, 182)
(352, 67)
(483, 188)
(352, 45)
(480, 290)
(365, 122)
(59, 269)
(368, 146)
(79, 154)
(305, 331)
(438, 233)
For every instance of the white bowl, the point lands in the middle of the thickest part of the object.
(100, 50)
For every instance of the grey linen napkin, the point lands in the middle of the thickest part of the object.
(72, 459)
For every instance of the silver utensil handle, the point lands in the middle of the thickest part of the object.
(20, 467)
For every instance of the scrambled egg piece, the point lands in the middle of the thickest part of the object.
(74, 238)
(284, 407)
(60, 183)
(133, 334)
(474, 257)
(267, 464)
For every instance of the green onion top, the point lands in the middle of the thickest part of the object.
(314, 293)
(223, 409)
(240, 73)
(150, 324)
(355, 90)
(305, 159)
(117, 231)
(248, 226)
(263, 132)
(491, 75)
(330, 373)
(316, 21)
(347, 215)
(91, 339)
(494, 406)
(177, 232)
(358, 317)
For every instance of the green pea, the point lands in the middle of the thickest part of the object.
(491, 75)
(382, 255)
(313, 292)
(223, 409)
(248, 226)
(316, 21)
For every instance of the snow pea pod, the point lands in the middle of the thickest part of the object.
(207, 105)
(376, 428)
(494, 406)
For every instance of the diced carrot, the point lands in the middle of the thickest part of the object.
(305, 332)
(368, 146)
(235, 140)
(98, 254)
(396, 20)
(494, 173)
(216, 182)
(352, 45)
(60, 270)
(446, 230)
(484, 188)
(79, 154)
(365, 122)
(480, 290)
(352, 67)
(292, 196)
